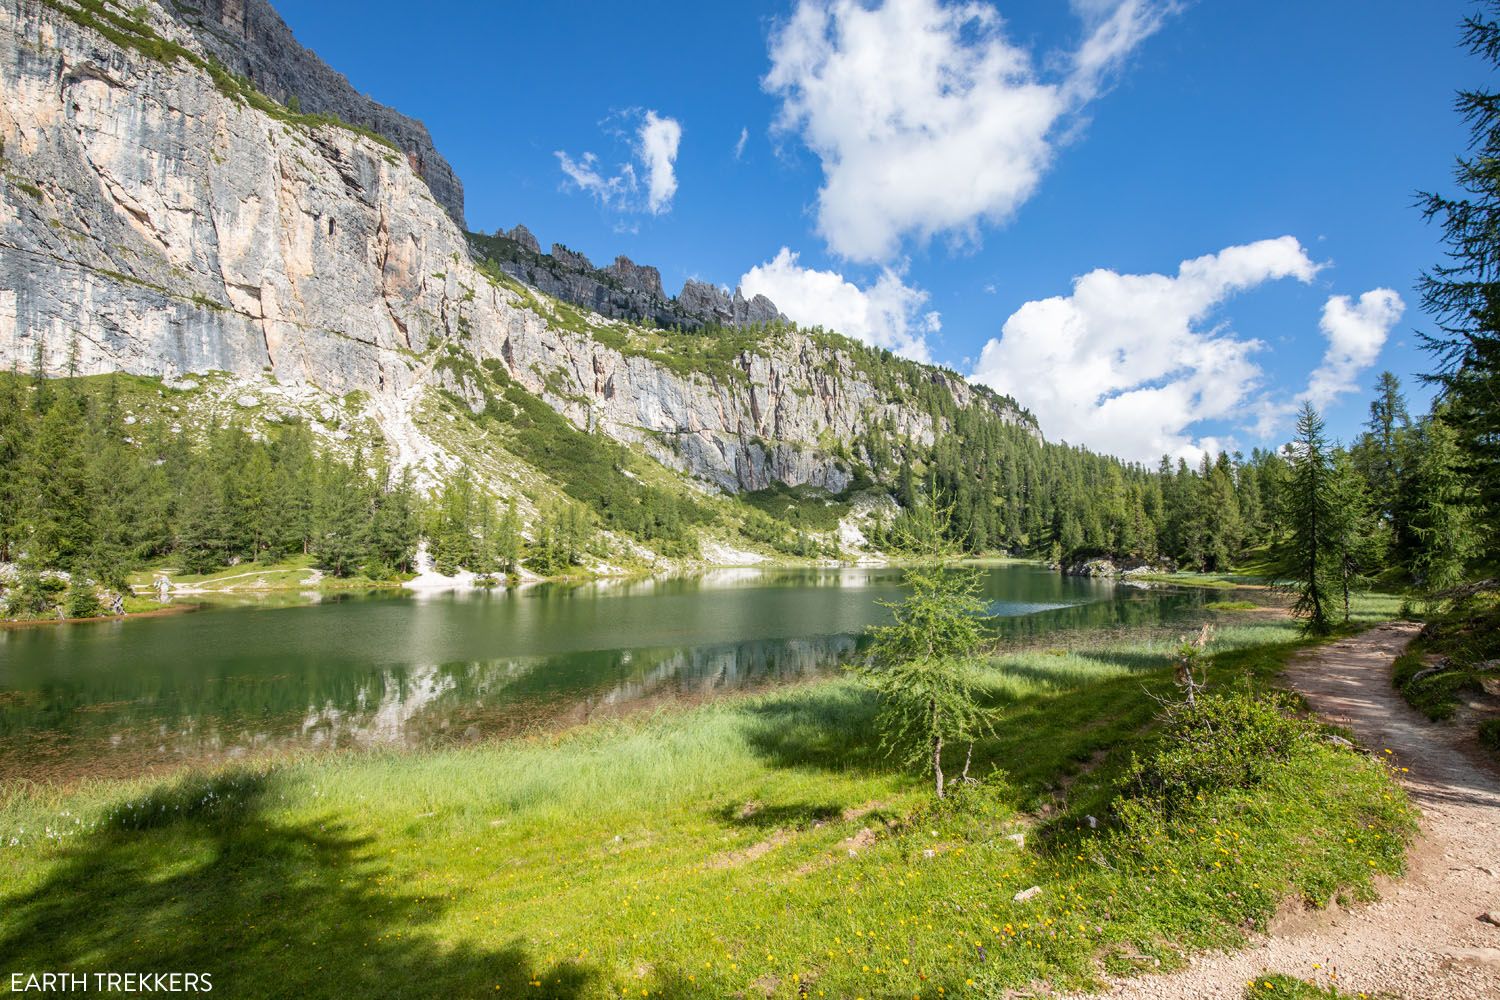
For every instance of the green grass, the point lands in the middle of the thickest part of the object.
(702, 852)
(805, 507)
(1489, 734)
(291, 573)
(1233, 606)
(1276, 986)
(1187, 578)
(1435, 695)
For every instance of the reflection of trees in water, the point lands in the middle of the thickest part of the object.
(122, 722)
(403, 706)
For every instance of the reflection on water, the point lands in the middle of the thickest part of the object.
(127, 697)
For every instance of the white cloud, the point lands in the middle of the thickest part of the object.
(887, 314)
(659, 138)
(655, 150)
(926, 118)
(584, 172)
(1124, 364)
(1356, 332)
(739, 144)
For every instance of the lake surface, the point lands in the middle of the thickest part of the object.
(146, 695)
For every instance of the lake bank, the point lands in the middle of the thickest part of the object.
(245, 677)
(755, 844)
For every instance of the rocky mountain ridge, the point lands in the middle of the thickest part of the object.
(159, 218)
(623, 290)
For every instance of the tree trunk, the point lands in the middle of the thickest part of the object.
(968, 759)
(937, 750)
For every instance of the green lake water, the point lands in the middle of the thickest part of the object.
(404, 670)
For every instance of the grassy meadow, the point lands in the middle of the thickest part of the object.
(755, 846)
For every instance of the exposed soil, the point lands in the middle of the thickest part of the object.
(1425, 939)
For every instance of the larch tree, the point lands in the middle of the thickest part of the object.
(921, 664)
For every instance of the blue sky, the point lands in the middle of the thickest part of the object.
(914, 157)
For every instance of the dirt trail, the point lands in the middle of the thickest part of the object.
(1423, 940)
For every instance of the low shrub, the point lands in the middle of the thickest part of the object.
(1431, 690)
(1226, 741)
(82, 601)
(1489, 734)
(32, 594)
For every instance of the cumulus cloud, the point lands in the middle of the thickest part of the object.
(1356, 331)
(928, 120)
(1125, 364)
(654, 149)
(887, 314)
(659, 138)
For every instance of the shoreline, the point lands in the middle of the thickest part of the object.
(464, 583)
(168, 611)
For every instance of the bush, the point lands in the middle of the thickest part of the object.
(1228, 741)
(82, 601)
(1434, 692)
(1489, 734)
(32, 594)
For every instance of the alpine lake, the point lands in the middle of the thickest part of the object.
(395, 669)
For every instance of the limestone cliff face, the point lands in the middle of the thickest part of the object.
(251, 39)
(154, 222)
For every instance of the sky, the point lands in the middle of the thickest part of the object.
(1161, 225)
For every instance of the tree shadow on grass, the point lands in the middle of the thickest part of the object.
(791, 815)
(827, 727)
(199, 877)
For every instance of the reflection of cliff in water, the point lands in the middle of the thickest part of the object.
(403, 706)
(390, 670)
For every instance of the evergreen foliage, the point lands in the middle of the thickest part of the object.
(80, 495)
(1307, 557)
(921, 665)
(1463, 294)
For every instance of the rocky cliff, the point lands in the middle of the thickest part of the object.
(160, 216)
(250, 39)
(623, 290)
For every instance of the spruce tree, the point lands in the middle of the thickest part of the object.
(1445, 525)
(1357, 536)
(1306, 556)
(343, 518)
(1463, 295)
(202, 538)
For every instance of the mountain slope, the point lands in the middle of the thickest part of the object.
(161, 216)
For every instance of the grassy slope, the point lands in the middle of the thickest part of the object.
(622, 858)
(295, 573)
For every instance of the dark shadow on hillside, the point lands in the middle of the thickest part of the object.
(199, 878)
(827, 728)
(794, 815)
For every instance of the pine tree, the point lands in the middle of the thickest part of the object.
(202, 542)
(61, 501)
(394, 529)
(508, 539)
(14, 486)
(1463, 295)
(343, 518)
(1444, 522)
(1357, 536)
(1306, 558)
